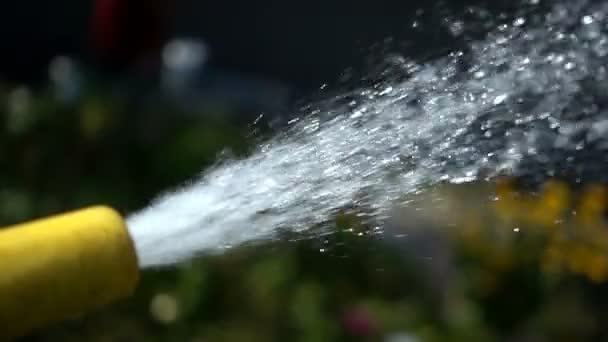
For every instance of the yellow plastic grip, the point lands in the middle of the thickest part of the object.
(63, 266)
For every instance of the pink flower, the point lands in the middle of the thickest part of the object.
(359, 322)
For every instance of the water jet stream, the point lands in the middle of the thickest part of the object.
(530, 101)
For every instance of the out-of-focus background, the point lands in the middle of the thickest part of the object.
(114, 101)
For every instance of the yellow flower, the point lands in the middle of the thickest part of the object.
(508, 205)
(552, 204)
(592, 205)
(597, 269)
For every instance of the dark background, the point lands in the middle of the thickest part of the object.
(303, 44)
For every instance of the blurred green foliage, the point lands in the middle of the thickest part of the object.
(471, 263)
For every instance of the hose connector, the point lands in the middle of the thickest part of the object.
(63, 266)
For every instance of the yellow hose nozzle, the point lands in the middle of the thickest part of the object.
(63, 266)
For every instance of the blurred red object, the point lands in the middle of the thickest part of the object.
(125, 33)
(359, 322)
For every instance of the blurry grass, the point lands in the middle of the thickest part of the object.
(477, 262)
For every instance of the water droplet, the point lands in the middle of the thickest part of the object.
(456, 28)
(501, 40)
(479, 74)
(587, 20)
(356, 114)
(519, 22)
(500, 99)
(386, 91)
(601, 47)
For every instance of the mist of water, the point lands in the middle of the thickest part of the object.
(529, 99)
